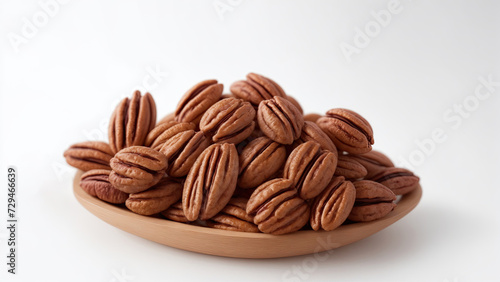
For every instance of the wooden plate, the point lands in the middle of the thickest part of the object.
(238, 244)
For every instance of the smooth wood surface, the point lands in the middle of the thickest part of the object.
(238, 244)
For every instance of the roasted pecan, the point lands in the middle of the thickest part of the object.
(310, 169)
(197, 100)
(89, 155)
(374, 162)
(234, 217)
(230, 120)
(373, 201)
(277, 207)
(182, 150)
(350, 168)
(332, 207)
(137, 168)
(256, 89)
(167, 118)
(399, 180)
(312, 117)
(312, 132)
(227, 95)
(211, 182)
(157, 198)
(96, 183)
(348, 130)
(175, 213)
(131, 121)
(295, 103)
(259, 160)
(280, 120)
(164, 131)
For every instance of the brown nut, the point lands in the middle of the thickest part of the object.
(175, 213)
(157, 198)
(197, 100)
(234, 217)
(348, 130)
(137, 168)
(256, 89)
(182, 150)
(280, 120)
(310, 169)
(226, 95)
(374, 162)
(373, 201)
(399, 180)
(164, 131)
(96, 183)
(259, 160)
(295, 103)
(350, 168)
(211, 182)
(167, 118)
(312, 132)
(230, 120)
(277, 207)
(332, 207)
(89, 155)
(313, 117)
(131, 121)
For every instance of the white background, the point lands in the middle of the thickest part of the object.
(60, 80)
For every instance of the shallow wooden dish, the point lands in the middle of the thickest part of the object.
(238, 244)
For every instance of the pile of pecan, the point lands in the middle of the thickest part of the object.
(246, 161)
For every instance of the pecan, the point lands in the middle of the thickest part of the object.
(280, 120)
(312, 132)
(234, 217)
(96, 183)
(399, 180)
(175, 213)
(89, 155)
(164, 131)
(312, 117)
(227, 95)
(277, 207)
(310, 169)
(256, 89)
(374, 162)
(332, 207)
(259, 160)
(167, 118)
(182, 150)
(230, 120)
(156, 199)
(131, 121)
(137, 168)
(197, 100)
(350, 168)
(348, 130)
(295, 103)
(373, 201)
(211, 182)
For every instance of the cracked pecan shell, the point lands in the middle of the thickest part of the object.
(256, 89)
(234, 217)
(332, 207)
(157, 198)
(350, 168)
(164, 131)
(131, 121)
(280, 120)
(197, 100)
(348, 130)
(182, 150)
(175, 213)
(375, 162)
(211, 182)
(399, 180)
(259, 160)
(312, 132)
(277, 207)
(230, 120)
(137, 168)
(89, 155)
(310, 169)
(96, 183)
(373, 201)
